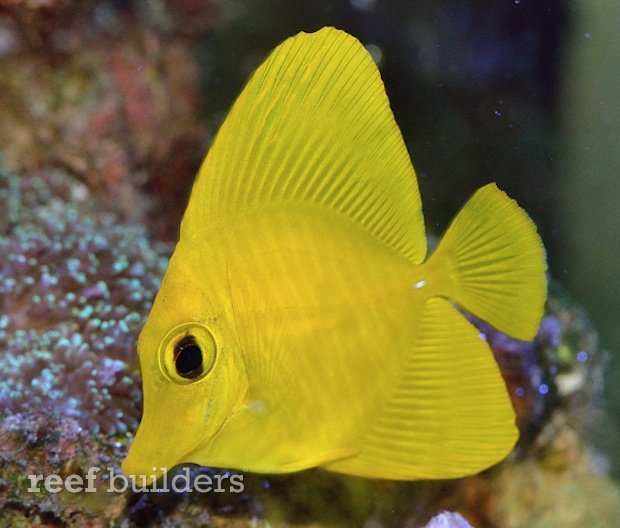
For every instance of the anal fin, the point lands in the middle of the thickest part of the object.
(448, 415)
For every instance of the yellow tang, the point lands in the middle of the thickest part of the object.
(300, 324)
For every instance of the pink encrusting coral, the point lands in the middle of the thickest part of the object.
(99, 90)
(75, 287)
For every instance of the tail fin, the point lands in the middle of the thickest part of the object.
(492, 262)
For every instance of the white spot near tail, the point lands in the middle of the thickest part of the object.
(419, 284)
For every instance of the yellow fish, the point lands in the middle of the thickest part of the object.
(300, 323)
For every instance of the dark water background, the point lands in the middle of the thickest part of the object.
(524, 93)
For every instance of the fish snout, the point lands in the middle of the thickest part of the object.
(151, 455)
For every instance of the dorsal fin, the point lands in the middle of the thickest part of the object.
(313, 130)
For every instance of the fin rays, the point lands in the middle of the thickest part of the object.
(448, 414)
(494, 263)
(313, 129)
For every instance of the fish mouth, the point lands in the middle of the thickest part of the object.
(136, 466)
(149, 458)
(147, 475)
(154, 452)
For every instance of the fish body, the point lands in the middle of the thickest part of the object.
(300, 322)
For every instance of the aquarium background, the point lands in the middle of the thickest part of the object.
(108, 107)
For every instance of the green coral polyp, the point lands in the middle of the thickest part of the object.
(75, 287)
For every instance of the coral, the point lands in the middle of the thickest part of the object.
(36, 443)
(560, 369)
(90, 89)
(75, 288)
(564, 486)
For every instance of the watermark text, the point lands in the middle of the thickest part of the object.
(182, 481)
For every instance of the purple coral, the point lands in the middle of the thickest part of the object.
(75, 288)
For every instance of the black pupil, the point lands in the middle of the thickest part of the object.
(188, 358)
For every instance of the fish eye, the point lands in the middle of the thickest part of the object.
(188, 358)
(187, 353)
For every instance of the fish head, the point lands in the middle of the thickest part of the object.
(192, 375)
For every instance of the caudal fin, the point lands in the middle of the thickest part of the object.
(492, 262)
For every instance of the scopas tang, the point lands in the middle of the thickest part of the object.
(300, 322)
